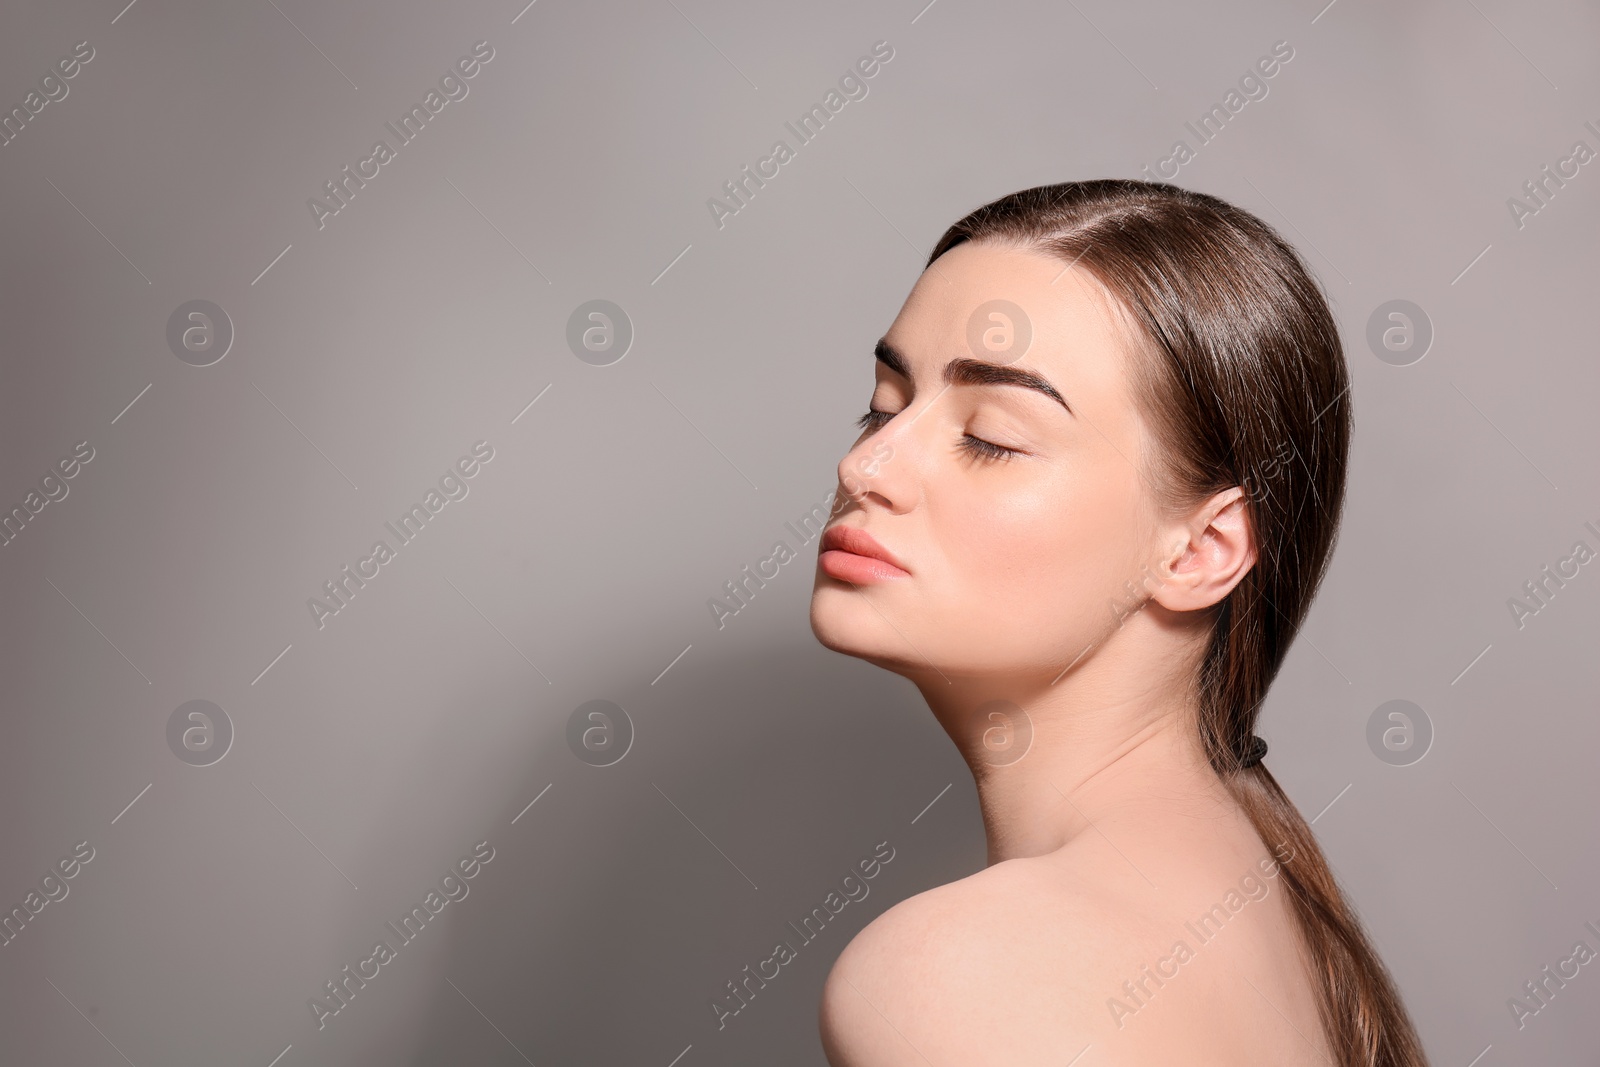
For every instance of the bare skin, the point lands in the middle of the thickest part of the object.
(1054, 580)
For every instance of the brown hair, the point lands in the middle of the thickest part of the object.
(1245, 384)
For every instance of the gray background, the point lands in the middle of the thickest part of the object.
(427, 315)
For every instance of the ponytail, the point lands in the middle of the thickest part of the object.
(1362, 1013)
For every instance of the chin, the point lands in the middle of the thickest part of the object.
(843, 623)
(835, 623)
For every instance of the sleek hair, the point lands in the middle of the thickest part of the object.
(1242, 377)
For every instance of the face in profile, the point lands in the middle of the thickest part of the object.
(1015, 502)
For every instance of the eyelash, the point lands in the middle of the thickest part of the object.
(976, 446)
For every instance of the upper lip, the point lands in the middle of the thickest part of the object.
(857, 542)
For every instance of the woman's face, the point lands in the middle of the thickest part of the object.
(1012, 561)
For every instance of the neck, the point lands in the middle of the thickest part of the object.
(1052, 756)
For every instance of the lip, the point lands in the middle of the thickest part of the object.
(845, 551)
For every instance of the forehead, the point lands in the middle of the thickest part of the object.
(1077, 331)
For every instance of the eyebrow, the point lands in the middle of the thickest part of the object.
(967, 371)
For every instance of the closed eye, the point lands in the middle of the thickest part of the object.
(874, 419)
(977, 446)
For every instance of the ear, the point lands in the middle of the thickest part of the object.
(1211, 553)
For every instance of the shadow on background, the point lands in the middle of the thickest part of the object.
(608, 921)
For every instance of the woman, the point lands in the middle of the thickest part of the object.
(1098, 484)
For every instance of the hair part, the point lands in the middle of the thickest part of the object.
(1241, 376)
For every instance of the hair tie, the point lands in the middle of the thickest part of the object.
(1254, 751)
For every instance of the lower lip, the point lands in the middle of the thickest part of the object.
(849, 567)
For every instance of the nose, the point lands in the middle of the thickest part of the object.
(864, 472)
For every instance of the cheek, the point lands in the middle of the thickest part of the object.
(1043, 554)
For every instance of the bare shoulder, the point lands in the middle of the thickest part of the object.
(1005, 966)
(1036, 961)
